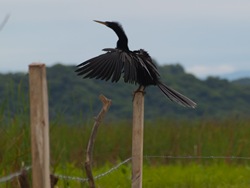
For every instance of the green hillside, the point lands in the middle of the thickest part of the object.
(242, 81)
(71, 97)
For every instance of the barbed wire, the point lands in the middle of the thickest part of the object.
(148, 156)
(112, 169)
(13, 175)
(96, 177)
(79, 179)
(72, 178)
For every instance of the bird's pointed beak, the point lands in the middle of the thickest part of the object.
(100, 22)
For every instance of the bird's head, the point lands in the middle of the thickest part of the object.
(122, 42)
(112, 25)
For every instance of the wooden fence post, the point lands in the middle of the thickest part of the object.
(39, 126)
(137, 139)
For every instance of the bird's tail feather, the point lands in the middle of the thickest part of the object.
(176, 96)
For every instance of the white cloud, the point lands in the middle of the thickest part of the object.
(206, 70)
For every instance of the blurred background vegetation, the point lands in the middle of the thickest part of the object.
(71, 97)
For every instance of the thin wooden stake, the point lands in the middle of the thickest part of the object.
(53, 180)
(106, 104)
(39, 120)
(23, 179)
(137, 138)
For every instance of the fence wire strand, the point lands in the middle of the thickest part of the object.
(96, 177)
(13, 175)
(112, 169)
(79, 179)
(197, 157)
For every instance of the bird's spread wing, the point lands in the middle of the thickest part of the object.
(114, 63)
(106, 66)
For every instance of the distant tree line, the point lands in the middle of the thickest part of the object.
(72, 98)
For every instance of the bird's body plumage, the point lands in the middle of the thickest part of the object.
(134, 66)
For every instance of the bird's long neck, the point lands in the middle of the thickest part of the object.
(122, 42)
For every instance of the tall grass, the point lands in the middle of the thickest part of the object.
(162, 137)
(229, 137)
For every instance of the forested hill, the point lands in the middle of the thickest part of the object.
(71, 97)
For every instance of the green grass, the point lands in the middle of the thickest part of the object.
(190, 175)
(229, 137)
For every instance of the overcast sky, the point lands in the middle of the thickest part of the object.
(209, 37)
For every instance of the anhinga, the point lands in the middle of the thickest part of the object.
(135, 67)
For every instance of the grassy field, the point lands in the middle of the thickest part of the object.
(190, 175)
(229, 137)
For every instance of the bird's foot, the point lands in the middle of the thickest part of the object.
(140, 89)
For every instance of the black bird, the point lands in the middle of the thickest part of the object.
(135, 67)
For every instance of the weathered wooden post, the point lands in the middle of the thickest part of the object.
(39, 120)
(137, 138)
